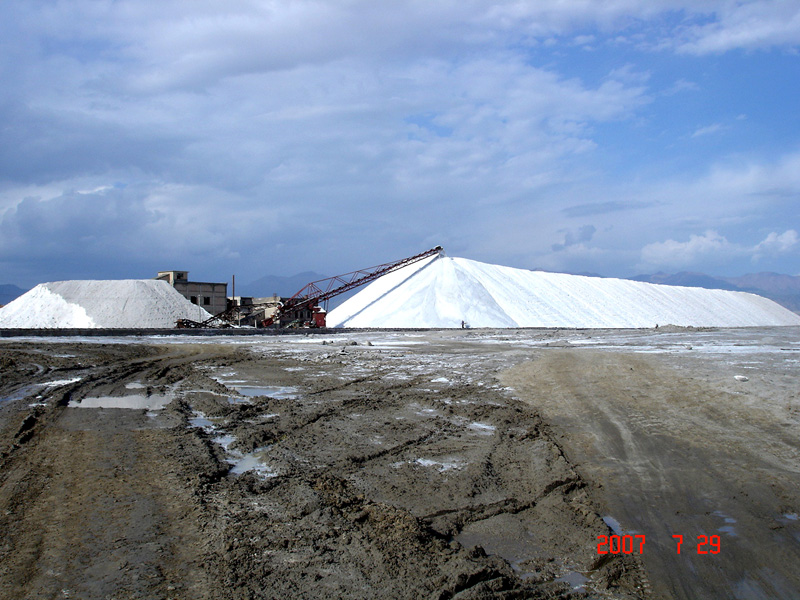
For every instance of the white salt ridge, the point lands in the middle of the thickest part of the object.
(443, 292)
(126, 303)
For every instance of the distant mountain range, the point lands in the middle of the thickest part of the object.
(687, 279)
(271, 285)
(9, 292)
(783, 289)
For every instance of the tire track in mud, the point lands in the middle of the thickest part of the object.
(378, 483)
(90, 508)
(369, 473)
(680, 452)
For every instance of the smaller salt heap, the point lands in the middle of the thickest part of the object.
(100, 304)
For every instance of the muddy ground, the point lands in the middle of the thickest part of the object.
(441, 464)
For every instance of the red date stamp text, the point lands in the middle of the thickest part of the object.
(634, 544)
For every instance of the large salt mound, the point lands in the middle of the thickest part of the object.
(126, 303)
(443, 291)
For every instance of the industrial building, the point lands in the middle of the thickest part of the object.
(213, 297)
(242, 310)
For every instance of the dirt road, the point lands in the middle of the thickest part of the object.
(458, 464)
(295, 468)
(692, 441)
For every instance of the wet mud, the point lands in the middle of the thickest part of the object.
(469, 464)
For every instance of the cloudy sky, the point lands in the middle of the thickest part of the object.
(271, 137)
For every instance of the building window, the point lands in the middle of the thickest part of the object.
(206, 300)
(193, 299)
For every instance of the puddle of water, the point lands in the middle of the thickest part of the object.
(252, 461)
(788, 519)
(728, 528)
(241, 463)
(614, 525)
(727, 518)
(237, 400)
(135, 385)
(21, 393)
(200, 420)
(135, 401)
(575, 580)
(274, 391)
(224, 440)
(503, 535)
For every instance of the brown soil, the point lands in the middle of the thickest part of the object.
(387, 465)
(681, 447)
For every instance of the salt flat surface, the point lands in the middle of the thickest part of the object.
(126, 303)
(443, 292)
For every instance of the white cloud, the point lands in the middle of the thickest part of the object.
(708, 130)
(681, 85)
(711, 248)
(710, 245)
(776, 243)
(325, 129)
(575, 237)
(752, 181)
(584, 40)
(741, 24)
(350, 122)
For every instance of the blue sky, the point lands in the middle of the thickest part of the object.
(265, 137)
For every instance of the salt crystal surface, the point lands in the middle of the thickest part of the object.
(482, 428)
(444, 291)
(126, 303)
(60, 382)
(440, 465)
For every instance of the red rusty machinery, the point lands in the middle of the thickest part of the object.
(313, 295)
(319, 292)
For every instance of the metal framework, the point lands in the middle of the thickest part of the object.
(316, 292)
(323, 290)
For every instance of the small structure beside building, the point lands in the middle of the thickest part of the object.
(252, 311)
(213, 297)
(256, 311)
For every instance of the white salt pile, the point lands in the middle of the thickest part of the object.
(126, 303)
(443, 292)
